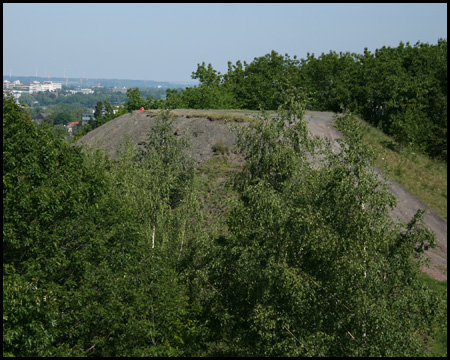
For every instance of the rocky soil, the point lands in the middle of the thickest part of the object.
(204, 133)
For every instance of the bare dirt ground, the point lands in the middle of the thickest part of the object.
(203, 133)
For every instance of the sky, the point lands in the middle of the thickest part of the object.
(165, 42)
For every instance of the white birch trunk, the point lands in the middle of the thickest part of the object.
(153, 236)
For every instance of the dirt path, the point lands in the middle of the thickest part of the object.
(204, 133)
(320, 124)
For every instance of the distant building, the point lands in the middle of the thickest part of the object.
(36, 86)
(40, 117)
(122, 90)
(50, 86)
(89, 115)
(15, 85)
(14, 94)
(82, 91)
(10, 85)
(71, 125)
(86, 116)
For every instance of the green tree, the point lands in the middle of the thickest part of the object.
(174, 99)
(44, 98)
(234, 82)
(60, 130)
(165, 150)
(153, 103)
(135, 101)
(80, 274)
(402, 90)
(98, 112)
(46, 194)
(263, 79)
(206, 75)
(60, 118)
(108, 108)
(157, 183)
(312, 265)
(27, 99)
(211, 93)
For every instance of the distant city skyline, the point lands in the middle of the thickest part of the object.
(165, 42)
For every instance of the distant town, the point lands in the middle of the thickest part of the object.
(49, 101)
(87, 82)
(17, 88)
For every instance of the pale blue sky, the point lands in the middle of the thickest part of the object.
(165, 42)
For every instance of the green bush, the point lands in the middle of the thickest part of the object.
(221, 148)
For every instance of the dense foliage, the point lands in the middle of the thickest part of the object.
(402, 90)
(90, 249)
(109, 257)
(312, 265)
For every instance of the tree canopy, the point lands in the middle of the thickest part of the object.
(114, 257)
(401, 90)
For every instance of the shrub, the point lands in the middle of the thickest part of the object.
(221, 148)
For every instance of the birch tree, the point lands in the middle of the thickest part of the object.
(313, 265)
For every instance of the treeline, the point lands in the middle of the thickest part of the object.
(401, 90)
(113, 257)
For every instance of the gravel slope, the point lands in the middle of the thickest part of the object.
(204, 133)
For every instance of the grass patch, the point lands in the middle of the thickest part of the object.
(214, 193)
(218, 167)
(424, 177)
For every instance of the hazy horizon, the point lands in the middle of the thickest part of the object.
(165, 42)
